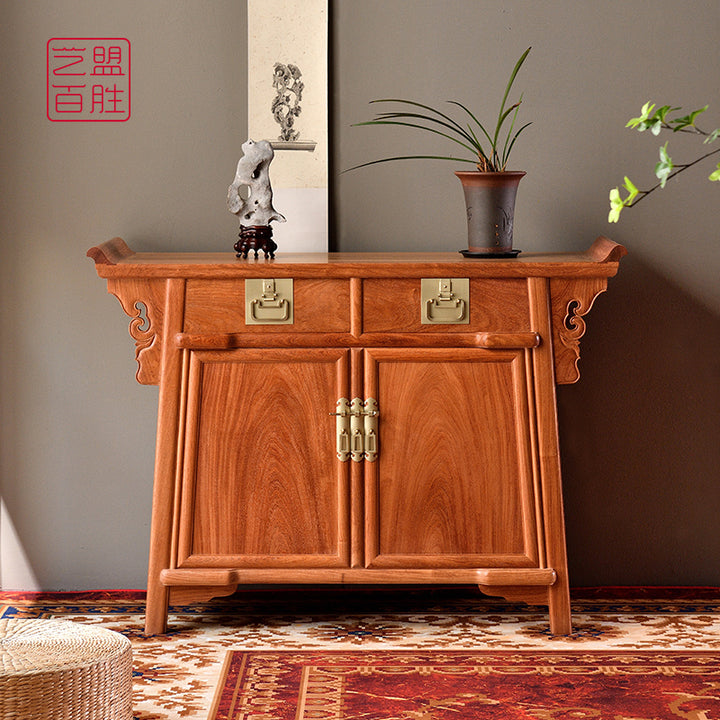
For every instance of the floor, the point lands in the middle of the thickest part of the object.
(176, 674)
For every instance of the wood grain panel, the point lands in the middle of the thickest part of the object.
(498, 305)
(454, 474)
(218, 306)
(262, 486)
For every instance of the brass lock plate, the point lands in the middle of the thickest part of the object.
(269, 301)
(445, 301)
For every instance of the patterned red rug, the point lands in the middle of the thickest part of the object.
(446, 685)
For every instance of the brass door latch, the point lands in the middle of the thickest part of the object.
(356, 429)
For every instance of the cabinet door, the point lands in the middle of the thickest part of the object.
(262, 486)
(453, 483)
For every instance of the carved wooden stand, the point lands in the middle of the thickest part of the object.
(406, 404)
(256, 238)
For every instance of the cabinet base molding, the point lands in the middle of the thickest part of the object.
(485, 577)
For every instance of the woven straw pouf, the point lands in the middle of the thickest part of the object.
(59, 670)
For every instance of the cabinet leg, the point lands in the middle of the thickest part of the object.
(156, 608)
(559, 606)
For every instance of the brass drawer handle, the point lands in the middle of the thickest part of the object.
(272, 304)
(449, 310)
(268, 301)
(445, 300)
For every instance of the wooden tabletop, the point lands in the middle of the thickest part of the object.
(115, 259)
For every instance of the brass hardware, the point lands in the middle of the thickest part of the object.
(342, 429)
(269, 301)
(356, 429)
(370, 426)
(445, 301)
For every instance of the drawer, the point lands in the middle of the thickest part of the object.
(399, 305)
(218, 306)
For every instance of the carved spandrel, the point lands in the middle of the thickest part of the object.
(144, 302)
(571, 300)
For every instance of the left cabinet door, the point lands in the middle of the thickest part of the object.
(261, 484)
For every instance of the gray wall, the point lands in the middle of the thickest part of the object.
(639, 432)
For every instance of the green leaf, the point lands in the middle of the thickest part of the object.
(651, 119)
(462, 134)
(388, 121)
(501, 118)
(616, 205)
(665, 167)
(506, 153)
(715, 176)
(712, 137)
(477, 122)
(409, 157)
(645, 111)
(632, 191)
(617, 202)
(450, 124)
(688, 120)
(662, 112)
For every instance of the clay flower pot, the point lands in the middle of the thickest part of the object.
(490, 202)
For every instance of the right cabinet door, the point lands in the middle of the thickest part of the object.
(454, 482)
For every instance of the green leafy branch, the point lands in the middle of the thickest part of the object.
(657, 120)
(489, 152)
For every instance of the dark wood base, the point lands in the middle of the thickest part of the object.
(256, 238)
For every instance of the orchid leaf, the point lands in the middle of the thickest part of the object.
(506, 154)
(433, 110)
(477, 122)
(409, 157)
(501, 117)
(419, 116)
(715, 175)
(420, 127)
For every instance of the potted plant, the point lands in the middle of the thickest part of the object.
(491, 188)
(658, 121)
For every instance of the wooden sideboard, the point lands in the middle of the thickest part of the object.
(357, 418)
